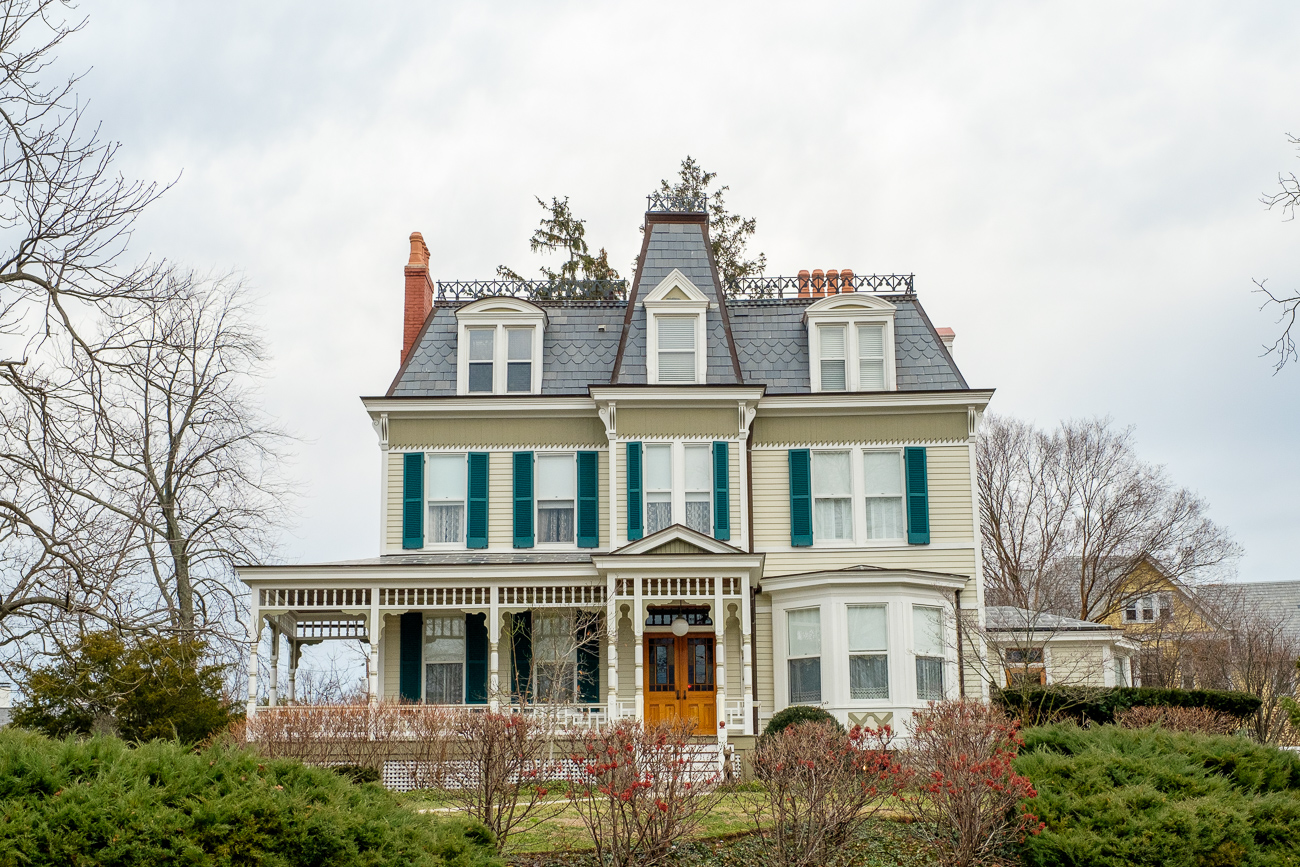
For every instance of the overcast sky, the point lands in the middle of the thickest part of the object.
(1075, 186)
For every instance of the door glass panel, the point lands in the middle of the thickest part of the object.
(663, 665)
(700, 657)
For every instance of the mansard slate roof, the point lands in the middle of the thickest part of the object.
(769, 336)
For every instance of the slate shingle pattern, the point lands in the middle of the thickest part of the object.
(770, 335)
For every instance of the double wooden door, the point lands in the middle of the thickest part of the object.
(679, 680)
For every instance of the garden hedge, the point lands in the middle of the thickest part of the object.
(1096, 704)
(1111, 796)
(795, 714)
(101, 802)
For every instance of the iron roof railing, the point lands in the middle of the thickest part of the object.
(676, 202)
(533, 290)
(815, 285)
(818, 285)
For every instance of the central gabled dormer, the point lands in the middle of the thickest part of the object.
(499, 347)
(851, 343)
(676, 343)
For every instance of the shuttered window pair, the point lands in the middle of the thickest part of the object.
(821, 496)
(547, 648)
(705, 487)
(457, 499)
(443, 659)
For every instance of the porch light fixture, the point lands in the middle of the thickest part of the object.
(680, 626)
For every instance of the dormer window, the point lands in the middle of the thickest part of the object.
(675, 312)
(499, 347)
(851, 343)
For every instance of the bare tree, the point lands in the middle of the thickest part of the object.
(1068, 515)
(729, 233)
(1286, 197)
(65, 218)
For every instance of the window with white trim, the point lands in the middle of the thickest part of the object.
(519, 360)
(804, 655)
(1145, 609)
(658, 480)
(1026, 666)
(446, 486)
(832, 490)
(928, 646)
(871, 358)
(556, 494)
(482, 354)
(444, 659)
(699, 488)
(834, 363)
(882, 483)
(868, 652)
(555, 656)
(676, 348)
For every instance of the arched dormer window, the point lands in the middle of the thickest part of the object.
(851, 343)
(499, 347)
(676, 352)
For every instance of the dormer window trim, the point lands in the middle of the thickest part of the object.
(850, 312)
(502, 317)
(676, 298)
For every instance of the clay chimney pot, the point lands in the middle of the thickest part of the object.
(803, 283)
(818, 283)
(833, 282)
(846, 280)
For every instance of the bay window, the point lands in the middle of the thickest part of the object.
(803, 655)
(658, 476)
(883, 485)
(832, 496)
(928, 645)
(556, 494)
(699, 488)
(444, 659)
(868, 652)
(446, 498)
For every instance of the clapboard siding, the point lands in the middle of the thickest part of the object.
(393, 508)
(764, 680)
(948, 471)
(500, 500)
(392, 654)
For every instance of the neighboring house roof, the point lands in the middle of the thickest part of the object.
(1006, 618)
(1280, 599)
(770, 336)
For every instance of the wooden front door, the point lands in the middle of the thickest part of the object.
(679, 680)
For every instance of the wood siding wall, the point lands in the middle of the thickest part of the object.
(764, 679)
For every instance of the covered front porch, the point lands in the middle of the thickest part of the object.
(659, 628)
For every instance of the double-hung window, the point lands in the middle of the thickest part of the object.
(883, 485)
(832, 489)
(556, 495)
(555, 656)
(482, 348)
(834, 366)
(676, 348)
(658, 480)
(519, 360)
(444, 659)
(871, 358)
(699, 488)
(804, 656)
(446, 498)
(868, 654)
(928, 645)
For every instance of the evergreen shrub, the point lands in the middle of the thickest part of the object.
(1111, 796)
(1035, 704)
(795, 714)
(101, 802)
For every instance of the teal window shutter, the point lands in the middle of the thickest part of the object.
(523, 499)
(409, 648)
(521, 654)
(801, 533)
(635, 524)
(476, 524)
(589, 661)
(588, 499)
(476, 659)
(918, 497)
(413, 500)
(721, 492)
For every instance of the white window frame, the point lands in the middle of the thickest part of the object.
(499, 313)
(849, 653)
(676, 296)
(708, 489)
(850, 310)
(853, 536)
(943, 657)
(820, 656)
(537, 501)
(429, 500)
(857, 499)
(425, 662)
(677, 463)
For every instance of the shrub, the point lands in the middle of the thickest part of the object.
(144, 689)
(100, 802)
(795, 714)
(1178, 719)
(1035, 705)
(357, 773)
(823, 785)
(965, 792)
(1112, 796)
(641, 789)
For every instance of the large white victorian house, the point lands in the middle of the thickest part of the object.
(669, 498)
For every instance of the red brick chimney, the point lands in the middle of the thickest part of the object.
(419, 293)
